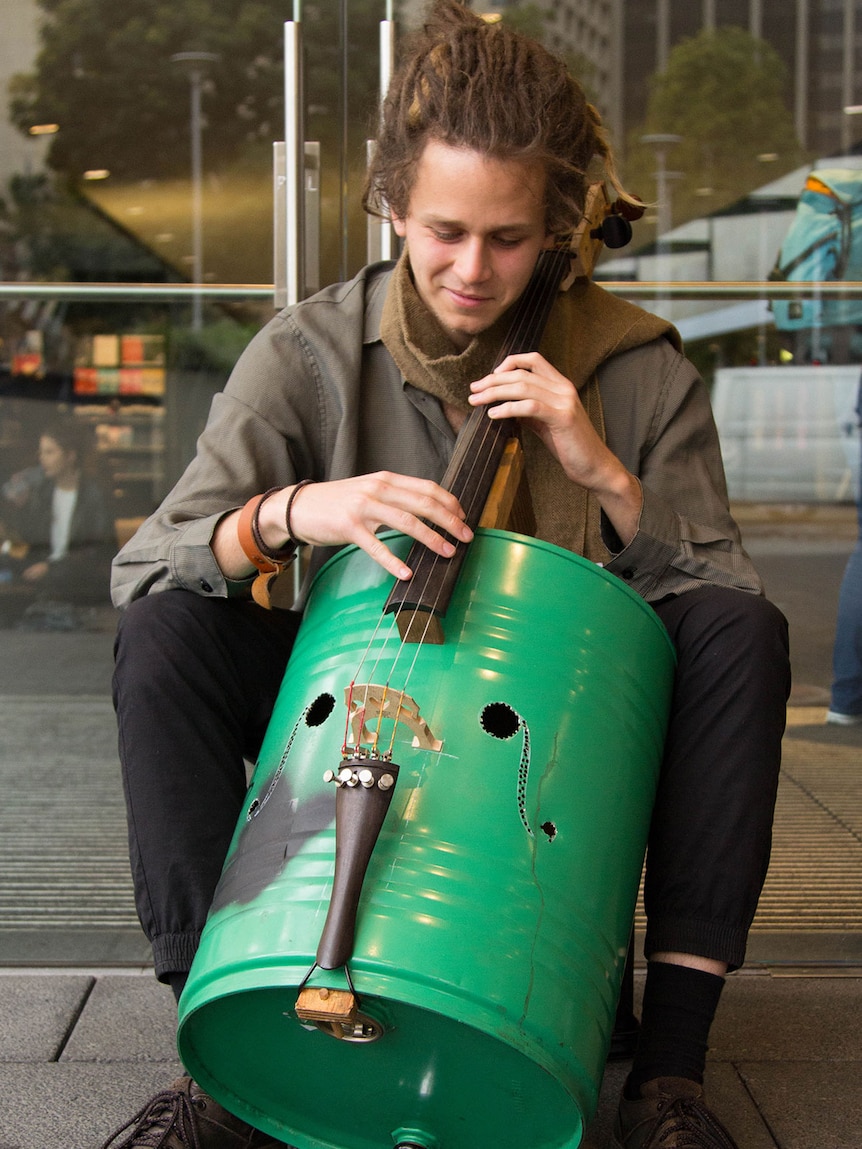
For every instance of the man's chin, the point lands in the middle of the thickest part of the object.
(462, 331)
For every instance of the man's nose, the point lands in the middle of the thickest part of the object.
(472, 264)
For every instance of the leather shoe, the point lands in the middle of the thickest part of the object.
(184, 1117)
(670, 1114)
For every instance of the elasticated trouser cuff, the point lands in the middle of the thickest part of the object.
(706, 939)
(173, 953)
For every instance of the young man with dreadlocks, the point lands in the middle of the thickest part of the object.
(482, 159)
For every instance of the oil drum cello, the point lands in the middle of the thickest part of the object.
(423, 918)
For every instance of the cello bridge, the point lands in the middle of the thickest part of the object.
(369, 702)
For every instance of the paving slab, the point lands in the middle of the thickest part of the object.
(808, 1105)
(763, 1018)
(125, 1019)
(599, 1132)
(736, 1107)
(63, 1105)
(79, 1054)
(38, 1013)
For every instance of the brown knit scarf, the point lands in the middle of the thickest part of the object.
(586, 327)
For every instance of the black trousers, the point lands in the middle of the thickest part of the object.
(196, 680)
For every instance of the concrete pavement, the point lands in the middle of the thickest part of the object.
(81, 1050)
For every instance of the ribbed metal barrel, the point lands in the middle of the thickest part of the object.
(494, 920)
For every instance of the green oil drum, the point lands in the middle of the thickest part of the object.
(496, 910)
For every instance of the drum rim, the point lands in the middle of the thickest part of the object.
(485, 533)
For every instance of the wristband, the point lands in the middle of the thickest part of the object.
(291, 537)
(267, 560)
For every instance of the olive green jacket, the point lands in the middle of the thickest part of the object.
(316, 395)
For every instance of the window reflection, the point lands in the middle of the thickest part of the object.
(97, 186)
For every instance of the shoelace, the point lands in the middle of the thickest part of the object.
(696, 1128)
(171, 1111)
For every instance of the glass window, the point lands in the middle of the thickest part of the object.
(142, 239)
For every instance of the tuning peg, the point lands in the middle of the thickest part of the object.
(629, 211)
(616, 231)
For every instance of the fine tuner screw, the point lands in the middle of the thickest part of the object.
(351, 778)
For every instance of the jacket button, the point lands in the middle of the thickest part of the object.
(205, 586)
(628, 574)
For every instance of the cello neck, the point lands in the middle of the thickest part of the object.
(474, 465)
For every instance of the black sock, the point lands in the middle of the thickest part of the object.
(678, 1008)
(177, 982)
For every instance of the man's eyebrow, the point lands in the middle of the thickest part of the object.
(431, 220)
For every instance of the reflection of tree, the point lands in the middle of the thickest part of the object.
(724, 93)
(527, 17)
(104, 74)
(533, 20)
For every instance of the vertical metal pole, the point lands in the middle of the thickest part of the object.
(379, 236)
(197, 199)
(709, 15)
(311, 217)
(279, 223)
(755, 18)
(343, 179)
(194, 64)
(662, 45)
(294, 161)
(291, 169)
(848, 71)
(660, 142)
(801, 79)
(617, 40)
(374, 226)
(387, 66)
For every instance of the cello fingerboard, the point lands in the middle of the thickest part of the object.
(473, 467)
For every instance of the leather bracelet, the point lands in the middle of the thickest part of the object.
(281, 555)
(291, 537)
(267, 560)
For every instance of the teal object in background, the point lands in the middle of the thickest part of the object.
(496, 911)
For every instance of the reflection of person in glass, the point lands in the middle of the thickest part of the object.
(846, 704)
(56, 516)
(482, 157)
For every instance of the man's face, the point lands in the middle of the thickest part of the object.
(474, 228)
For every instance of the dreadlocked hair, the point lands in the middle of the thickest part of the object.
(470, 84)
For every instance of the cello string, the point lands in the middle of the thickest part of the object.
(356, 675)
(542, 286)
(540, 289)
(540, 292)
(372, 672)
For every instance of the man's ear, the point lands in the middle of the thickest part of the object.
(400, 227)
